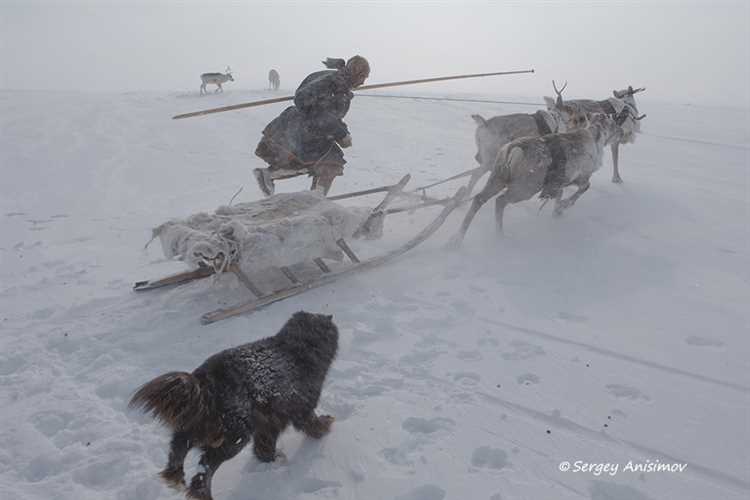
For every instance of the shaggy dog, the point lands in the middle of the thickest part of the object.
(251, 391)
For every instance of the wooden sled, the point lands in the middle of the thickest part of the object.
(296, 283)
(329, 276)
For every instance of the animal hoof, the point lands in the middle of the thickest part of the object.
(454, 243)
(562, 206)
(617, 180)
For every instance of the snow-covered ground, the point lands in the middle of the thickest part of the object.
(616, 333)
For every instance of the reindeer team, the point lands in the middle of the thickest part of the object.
(549, 150)
(542, 152)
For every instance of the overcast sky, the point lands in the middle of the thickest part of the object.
(694, 52)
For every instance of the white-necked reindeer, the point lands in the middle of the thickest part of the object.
(623, 108)
(529, 165)
(493, 134)
(216, 79)
(274, 80)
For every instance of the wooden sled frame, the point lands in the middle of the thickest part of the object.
(297, 285)
(205, 271)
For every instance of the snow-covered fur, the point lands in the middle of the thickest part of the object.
(622, 107)
(493, 134)
(277, 231)
(253, 391)
(522, 167)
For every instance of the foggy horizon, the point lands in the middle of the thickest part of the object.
(693, 53)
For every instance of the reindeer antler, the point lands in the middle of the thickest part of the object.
(559, 101)
(632, 91)
(559, 92)
(623, 115)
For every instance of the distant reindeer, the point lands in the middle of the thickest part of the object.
(216, 79)
(273, 80)
(622, 107)
(493, 134)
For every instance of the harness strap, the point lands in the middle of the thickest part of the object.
(620, 119)
(541, 123)
(607, 107)
(554, 179)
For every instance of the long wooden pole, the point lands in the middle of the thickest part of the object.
(450, 99)
(364, 87)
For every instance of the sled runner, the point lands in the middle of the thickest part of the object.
(286, 244)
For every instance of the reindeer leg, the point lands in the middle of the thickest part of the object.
(473, 181)
(562, 205)
(494, 185)
(615, 160)
(500, 203)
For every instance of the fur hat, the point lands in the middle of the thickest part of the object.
(334, 63)
(358, 69)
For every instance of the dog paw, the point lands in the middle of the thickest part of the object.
(277, 457)
(198, 489)
(198, 494)
(174, 478)
(325, 422)
(265, 455)
(318, 427)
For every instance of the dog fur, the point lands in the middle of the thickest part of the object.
(253, 391)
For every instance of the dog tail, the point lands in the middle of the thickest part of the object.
(175, 399)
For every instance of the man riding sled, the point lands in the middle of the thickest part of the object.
(308, 138)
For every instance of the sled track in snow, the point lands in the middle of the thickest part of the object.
(566, 425)
(713, 475)
(624, 357)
